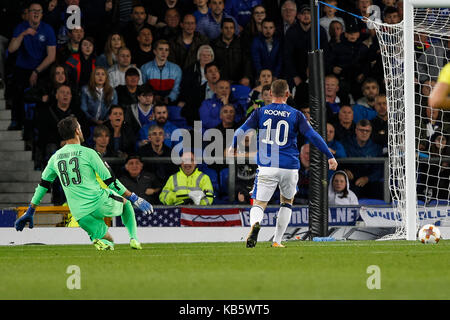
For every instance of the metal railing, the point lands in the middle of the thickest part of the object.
(232, 169)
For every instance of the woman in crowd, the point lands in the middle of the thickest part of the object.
(265, 78)
(254, 27)
(82, 64)
(191, 93)
(45, 91)
(108, 58)
(194, 75)
(339, 192)
(97, 97)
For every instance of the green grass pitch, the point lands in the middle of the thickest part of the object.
(229, 271)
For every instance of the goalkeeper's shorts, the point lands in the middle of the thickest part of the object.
(94, 223)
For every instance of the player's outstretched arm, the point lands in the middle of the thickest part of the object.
(47, 178)
(439, 97)
(320, 144)
(26, 218)
(138, 202)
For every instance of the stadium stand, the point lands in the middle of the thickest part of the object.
(18, 156)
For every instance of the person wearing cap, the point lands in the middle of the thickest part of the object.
(141, 113)
(188, 186)
(143, 183)
(127, 93)
(350, 61)
(117, 72)
(297, 44)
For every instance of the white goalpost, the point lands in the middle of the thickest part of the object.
(413, 53)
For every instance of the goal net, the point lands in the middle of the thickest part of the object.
(409, 79)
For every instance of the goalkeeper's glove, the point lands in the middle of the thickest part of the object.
(140, 204)
(27, 217)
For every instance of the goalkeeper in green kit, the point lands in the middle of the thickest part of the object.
(77, 166)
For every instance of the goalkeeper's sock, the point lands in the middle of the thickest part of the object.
(129, 220)
(256, 215)
(283, 218)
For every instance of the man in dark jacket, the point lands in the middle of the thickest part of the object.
(47, 118)
(194, 93)
(266, 50)
(145, 184)
(143, 53)
(366, 179)
(380, 123)
(131, 30)
(232, 59)
(127, 93)
(349, 61)
(172, 27)
(183, 48)
(297, 44)
(157, 149)
(344, 124)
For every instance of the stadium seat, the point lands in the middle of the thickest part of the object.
(419, 202)
(223, 180)
(240, 93)
(29, 109)
(212, 174)
(438, 202)
(90, 140)
(176, 118)
(364, 201)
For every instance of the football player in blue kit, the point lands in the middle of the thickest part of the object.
(278, 126)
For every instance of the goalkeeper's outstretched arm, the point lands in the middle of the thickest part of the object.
(47, 178)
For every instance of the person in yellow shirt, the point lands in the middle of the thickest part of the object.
(440, 95)
(188, 186)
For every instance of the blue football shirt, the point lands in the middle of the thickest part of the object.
(278, 127)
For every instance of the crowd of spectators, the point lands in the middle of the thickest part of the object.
(135, 71)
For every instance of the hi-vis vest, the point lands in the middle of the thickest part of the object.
(176, 191)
